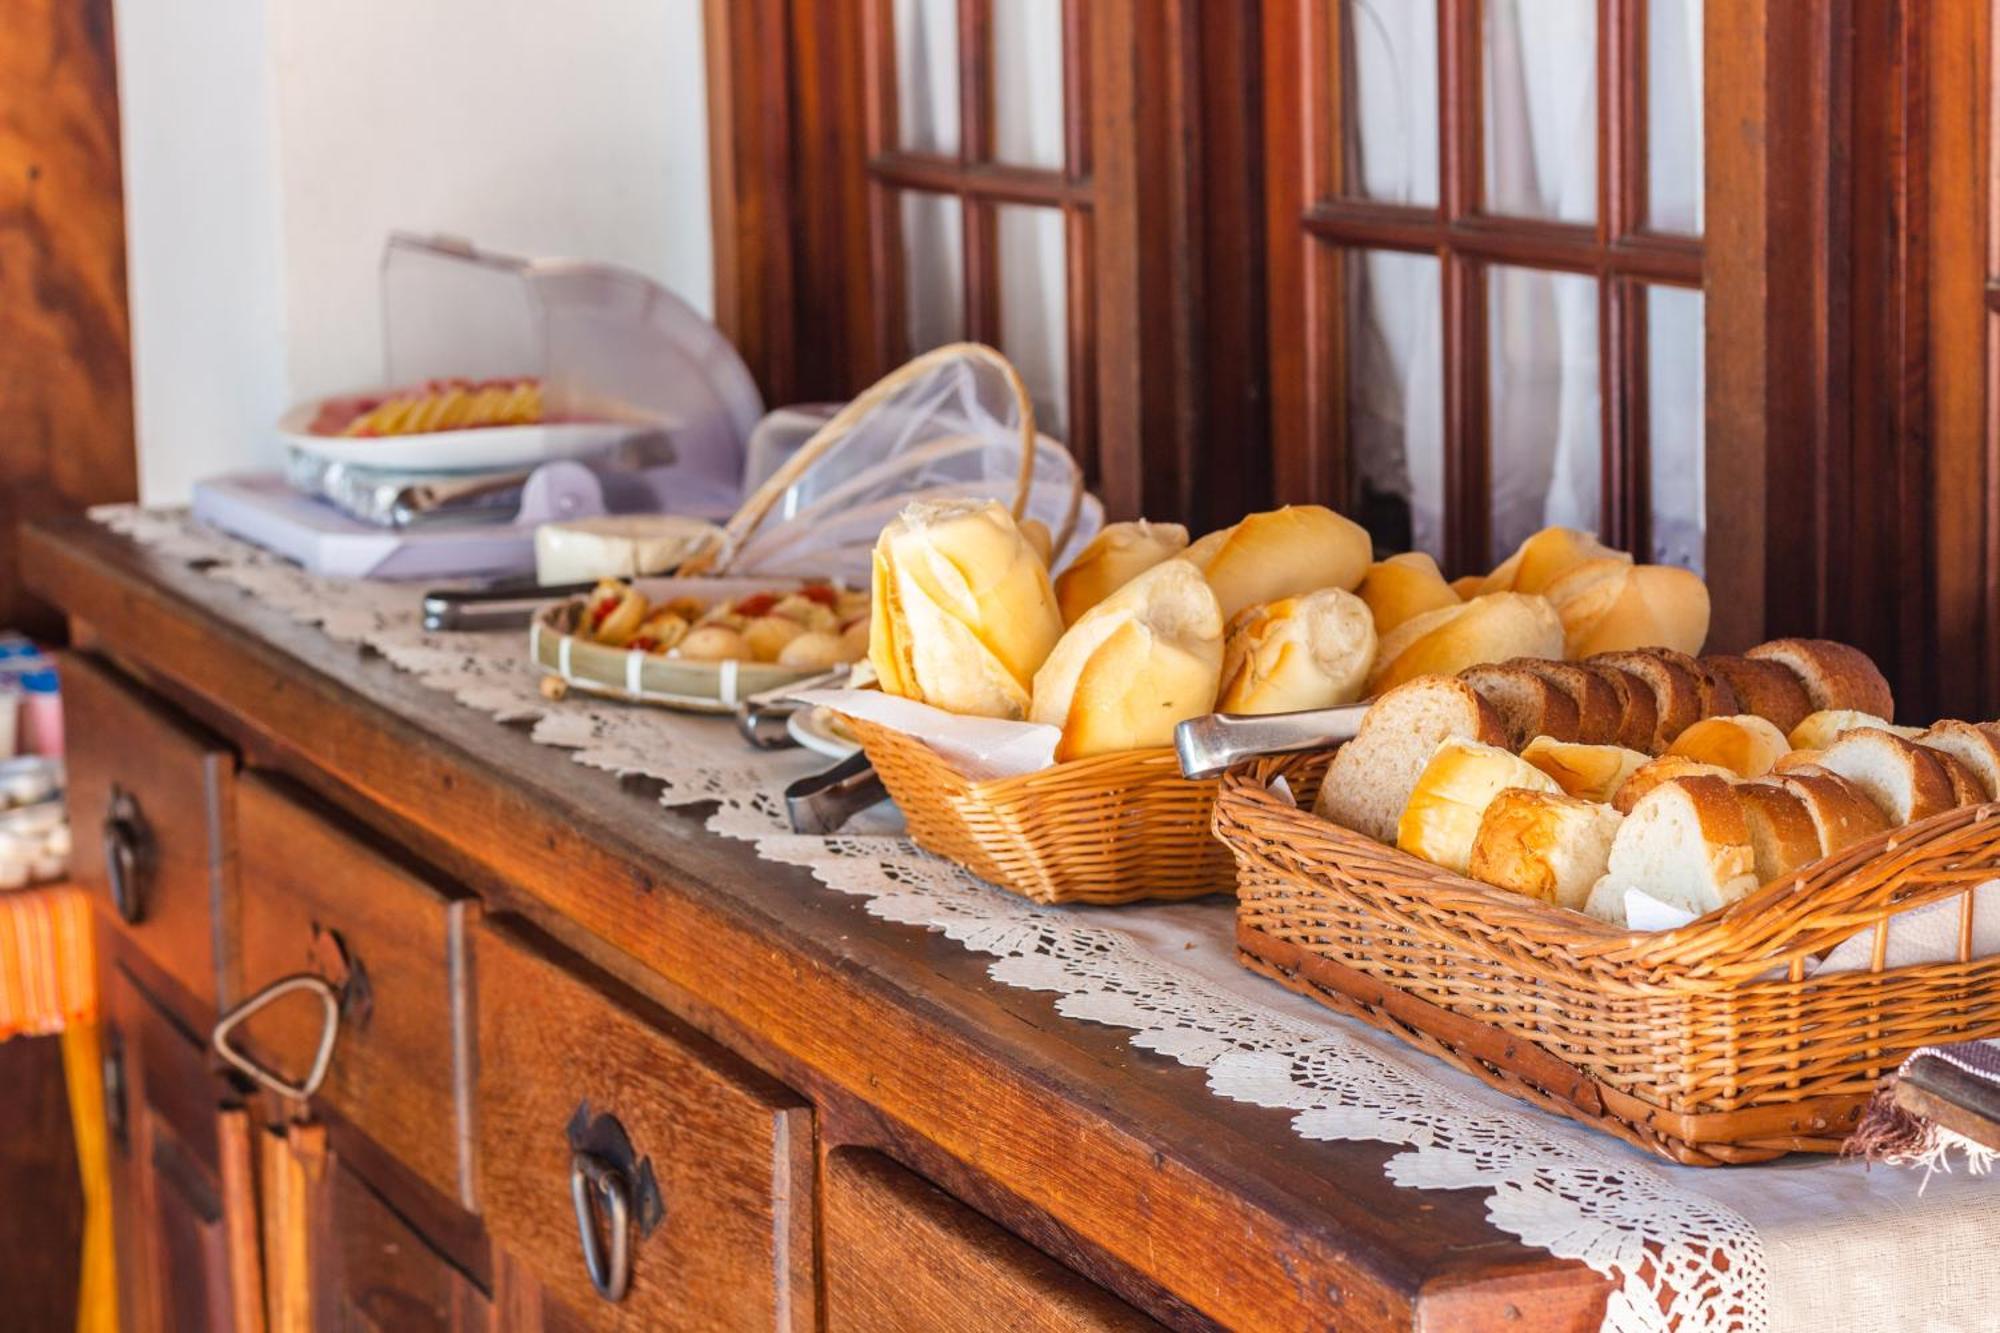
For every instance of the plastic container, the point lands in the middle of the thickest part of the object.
(41, 719)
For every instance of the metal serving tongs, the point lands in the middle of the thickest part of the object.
(1208, 745)
(763, 718)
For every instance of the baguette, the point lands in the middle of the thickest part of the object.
(1303, 652)
(1599, 710)
(1638, 715)
(1592, 772)
(1114, 557)
(1676, 692)
(1370, 779)
(1746, 745)
(1492, 628)
(1529, 705)
(1403, 587)
(1906, 781)
(1764, 687)
(1717, 698)
(1834, 675)
(1977, 747)
(1783, 836)
(1544, 845)
(1685, 843)
(1441, 819)
(1842, 814)
(1282, 553)
(1655, 772)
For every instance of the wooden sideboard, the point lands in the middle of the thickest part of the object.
(554, 993)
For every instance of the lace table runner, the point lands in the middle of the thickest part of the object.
(1806, 1243)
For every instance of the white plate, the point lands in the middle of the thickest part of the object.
(482, 448)
(813, 729)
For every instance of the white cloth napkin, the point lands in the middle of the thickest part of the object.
(979, 747)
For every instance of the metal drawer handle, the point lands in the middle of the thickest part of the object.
(588, 1175)
(329, 999)
(127, 855)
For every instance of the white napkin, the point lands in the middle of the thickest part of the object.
(1927, 935)
(978, 747)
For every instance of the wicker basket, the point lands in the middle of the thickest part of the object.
(1118, 828)
(1706, 1044)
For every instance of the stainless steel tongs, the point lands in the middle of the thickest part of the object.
(1208, 745)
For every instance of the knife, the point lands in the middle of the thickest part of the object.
(1208, 745)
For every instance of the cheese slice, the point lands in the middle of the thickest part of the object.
(616, 546)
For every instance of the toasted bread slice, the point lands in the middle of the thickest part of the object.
(1599, 710)
(1530, 705)
(1907, 781)
(1834, 675)
(1764, 687)
(1371, 776)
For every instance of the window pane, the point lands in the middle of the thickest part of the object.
(1675, 426)
(934, 268)
(1034, 305)
(1541, 108)
(1546, 460)
(1395, 397)
(1673, 114)
(1028, 83)
(927, 76)
(1390, 76)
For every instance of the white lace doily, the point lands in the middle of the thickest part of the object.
(1682, 1257)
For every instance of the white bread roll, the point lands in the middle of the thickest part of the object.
(964, 614)
(1369, 781)
(1654, 772)
(1685, 843)
(1282, 553)
(1313, 651)
(1115, 556)
(1142, 660)
(1404, 586)
(1591, 772)
(1906, 781)
(1610, 605)
(1040, 540)
(1745, 744)
(1545, 557)
(1492, 628)
(1441, 818)
(1549, 847)
(1823, 728)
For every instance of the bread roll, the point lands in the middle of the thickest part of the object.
(1492, 628)
(1040, 540)
(1799, 761)
(1834, 675)
(1841, 812)
(1977, 747)
(1783, 836)
(1545, 557)
(1599, 709)
(1441, 818)
(1655, 772)
(1821, 729)
(1369, 781)
(1529, 705)
(1404, 586)
(1676, 692)
(1544, 846)
(1282, 553)
(1685, 843)
(1303, 652)
(1114, 557)
(1905, 780)
(1608, 605)
(1746, 745)
(1468, 586)
(1142, 660)
(1592, 772)
(964, 614)
(1766, 688)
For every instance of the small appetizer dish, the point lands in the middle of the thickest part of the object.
(447, 425)
(703, 644)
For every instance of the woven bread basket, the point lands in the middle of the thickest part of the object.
(1708, 1044)
(1117, 828)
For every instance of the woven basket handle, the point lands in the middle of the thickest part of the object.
(760, 501)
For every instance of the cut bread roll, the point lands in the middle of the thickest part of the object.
(1545, 557)
(1543, 845)
(1974, 745)
(1783, 836)
(1441, 818)
(1599, 709)
(1764, 687)
(1114, 557)
(1303, 652)
(1609, 605)
(1676, 693)
(1371, 776)
(1492, 628)
(1746, 744)
(1834, 675)
(1906, 781)
(964, 614)
(1842, 814)
(1655, 772)
(1530, 705)
(1819, 730)
(1404, 586)
(1593, 772)
(1687, 844)
(1638, 715)
(1141, 661)
(1282, 553)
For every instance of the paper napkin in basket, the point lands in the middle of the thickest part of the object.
(981, 748)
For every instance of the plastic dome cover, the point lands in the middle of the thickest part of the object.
(955, 423)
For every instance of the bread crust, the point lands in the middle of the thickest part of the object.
(1717, 698)
(1840, 811)
(1676, 692)
(1667, 768)
(1638, 715)
(1931, 790)
(1835, 675)
(1977, 747)
(1783, 836)
(1764, 687)
(1357, 792)
(1599, 710)
(1530, 705)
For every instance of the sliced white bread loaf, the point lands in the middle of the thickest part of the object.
(1783, 836)
(1445, 642)
(1841, 812)
(1976, 746)
(1906, 781)
(1656, 771)
(1687, 844)
(1592, 772)
(1369, 781)
(1764, 687)
(1746, 744)
(1834, 675)
(1676, 692)
(1441, 818)
(1530, 705)
(1544, 845)
(1818, 730)
(1599, 709)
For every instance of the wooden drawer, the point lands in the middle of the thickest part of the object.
(151, 801)
(902, 1254)
(571, 1061)
(371, 1270)
(319, 899)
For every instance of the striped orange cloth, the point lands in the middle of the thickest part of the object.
(47, 976)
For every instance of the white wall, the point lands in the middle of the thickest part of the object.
(270, 145)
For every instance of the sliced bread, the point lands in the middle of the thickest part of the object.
(1369, 781)
(1676, 692)
(1977, 747)
(1530, 705)
(1654, 772)
(1442, 817)
(1965, 785)
(1764, 687)
(1599, 710)
(1638, 715)
(1593, 772)
(1783, 836)
(1840, 811)
(1834, 675)
(1717, 697)
(1907, 781)
(1687, 844)
(1544, 845)
(1746, 744)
